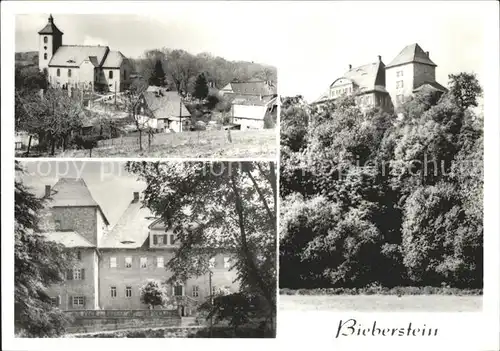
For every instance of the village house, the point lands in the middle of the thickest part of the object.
(386, 87)
(115, 261)
(163, 110)
(95, 68)
(251, 102)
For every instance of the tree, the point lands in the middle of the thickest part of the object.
(154, 293)
(38, 263)
(465, 89)
(158, 75)
(201, 87)
(215, 206)
(133, 100)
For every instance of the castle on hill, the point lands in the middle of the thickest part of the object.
(90, 67)
(387, 87)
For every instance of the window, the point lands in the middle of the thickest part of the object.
(110, 74)
(159, 239)
(58, 72)
(214, 290)
(172, 239)
(211, 263)
(128, 291)
(159, 262)
(78, 274)
(128, 262)
(196, 291)
(178, 290)
(112, 262)
(227, 262)
(78, 301)
(45, 56)
(55, 301)
(144, 262)
(399, 84)
(113, 291)
(69, 72)
(45, 40)
(79, 255)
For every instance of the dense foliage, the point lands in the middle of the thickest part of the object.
(154, 293)
(38, 263)
(368, 198)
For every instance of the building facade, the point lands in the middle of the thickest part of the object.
(113, 263)
(81, 66)
(386, 87)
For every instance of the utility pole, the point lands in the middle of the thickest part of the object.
(115, 93)
(211, 297)
(180, 115)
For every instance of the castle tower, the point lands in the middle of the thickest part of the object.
(50, 39)
(408, 71)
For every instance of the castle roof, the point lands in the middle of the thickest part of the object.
(131, 230)
(68, 239)
(73, 192)
(50, 28)
(74, 55)
(411, 53)
(164, 104)
(369, 77)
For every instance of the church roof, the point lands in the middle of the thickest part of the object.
(411, 53)
(73, 192)
(73, 55)
(114, 59)
(50, 28)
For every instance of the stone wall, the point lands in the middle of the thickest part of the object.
(109, 320)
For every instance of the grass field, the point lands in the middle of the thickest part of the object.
(245, 144)
(381, 303)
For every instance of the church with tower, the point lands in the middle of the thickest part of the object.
(81, 66)
(387, 86)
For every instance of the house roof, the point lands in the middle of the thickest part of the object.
(411, 53)
(73, 55)
(431, 85)
(239, 99)
(131, 230)
(252, 86)
(114, 59)
(50, 28)
(165, 104)
(73, 192)
(251, 112)
(369, 77)
(68, 239)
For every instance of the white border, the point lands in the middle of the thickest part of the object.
(296, 330)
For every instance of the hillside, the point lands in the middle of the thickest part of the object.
(26, 59)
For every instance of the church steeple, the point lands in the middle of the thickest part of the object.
(50, 40)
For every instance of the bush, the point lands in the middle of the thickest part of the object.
(379, 290)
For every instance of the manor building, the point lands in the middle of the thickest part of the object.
(90, 67)
(387, 86)
(114, 262)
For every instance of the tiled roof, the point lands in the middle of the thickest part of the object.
(253, 112)
(253, 86)
(368, 77)
(411, 53)
(73, 55)
(50, 28)
(431, 85)
(131, 230)
(68, 239)
(114, 59)
(73, 192)
(166, 104)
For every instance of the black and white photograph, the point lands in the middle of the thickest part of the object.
(145, 249)
(165, 85)
(381, 167)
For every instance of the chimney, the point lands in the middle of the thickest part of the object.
(350, 66)
(379, 58)
(136, 196)
(427, 53)
(47, 191)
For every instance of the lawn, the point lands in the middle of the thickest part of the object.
(209, 144)
(381, 303)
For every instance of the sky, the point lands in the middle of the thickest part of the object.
(234, 31)
(323, 38)
(110, 185)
